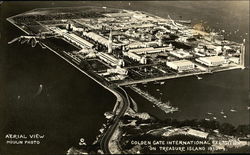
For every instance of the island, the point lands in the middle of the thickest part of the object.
(119, 49)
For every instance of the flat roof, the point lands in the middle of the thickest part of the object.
(141, 49)
(213, 58)
(119, 14)
(197, 133)
(81, 40)
(181, 62)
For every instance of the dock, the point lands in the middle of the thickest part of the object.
(164, 106)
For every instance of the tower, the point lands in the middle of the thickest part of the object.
(123, 48)
(242, 54)
(69, 27)
(160, 41)
(110, 42)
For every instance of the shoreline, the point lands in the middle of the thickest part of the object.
(119, 98)
(176, 76)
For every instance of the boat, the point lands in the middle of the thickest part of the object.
(225, 116)
(214, 118)
(233, 110)
(157, 89)
(248, 108)
(207, 119)
(199, 78)
(222, 112)
(162, 82)
(209, 113)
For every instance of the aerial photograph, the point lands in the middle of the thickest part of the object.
(124, 77)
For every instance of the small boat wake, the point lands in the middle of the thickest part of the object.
(233, 110)
(40, 89)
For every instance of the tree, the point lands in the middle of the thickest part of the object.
(227, 129)
(243, 130)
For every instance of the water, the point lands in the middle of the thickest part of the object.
(195, 98)
(217, 92)
(71, 105)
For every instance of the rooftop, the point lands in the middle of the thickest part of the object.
(182, 62)
(213, 58)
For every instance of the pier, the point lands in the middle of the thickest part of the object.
(165, 106)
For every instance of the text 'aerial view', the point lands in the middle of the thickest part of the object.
(124, 77)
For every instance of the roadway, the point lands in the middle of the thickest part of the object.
(122, 96)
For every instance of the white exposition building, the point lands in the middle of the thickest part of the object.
(197, 133)
(181, 54)
(72, 38)
(150, 50)
(110, 43)
(100, 39)
(138, 53)
(118, 70)
(138, 58)
(242, 55)
(110, 59)
(181, 65)
(77, 40)
(211, 61)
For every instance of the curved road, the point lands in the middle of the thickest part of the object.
(123, 98)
